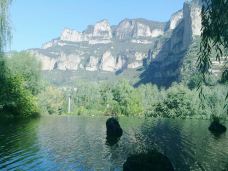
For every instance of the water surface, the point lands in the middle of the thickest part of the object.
(79, 143)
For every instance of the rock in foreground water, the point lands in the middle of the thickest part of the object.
(217, 128)
(113, 128)
(151, 161)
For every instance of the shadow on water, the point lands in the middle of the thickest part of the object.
(156, 137)
(185, 143)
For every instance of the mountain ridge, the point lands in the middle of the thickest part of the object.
(132, 44)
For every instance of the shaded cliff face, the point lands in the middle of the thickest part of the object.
(158, 47)
(165, 68)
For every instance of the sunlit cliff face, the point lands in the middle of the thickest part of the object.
(111, 48)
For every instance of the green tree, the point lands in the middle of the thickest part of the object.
(4, 38)
(5, 34)
(28, 67)
(179, 102)
(15, 99)
(127, 98)
(214, 36)
(51, 100)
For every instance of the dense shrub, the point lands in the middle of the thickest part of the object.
(51, 100)
(179, 102)
(19, 86)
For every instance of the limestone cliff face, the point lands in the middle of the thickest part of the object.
(175, 19)
(68, 62)
(73, 36)
(110, 63)
(92, 64)
(99, 32)
(192, 22)
(128, 45)
(102, 30)
(184, 26)
(195, 15)
(139, 28)
(47, 63)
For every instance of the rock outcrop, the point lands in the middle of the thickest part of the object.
(175, 20)
(139, 28)
(93, 63)
(110, 63)
(114, 131)
(102, 30)
(113, 128)
(94, 34)
(217, 128)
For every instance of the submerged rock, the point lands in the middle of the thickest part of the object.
(113, 128)
(110, 140)
(217, 128)
(151, 161)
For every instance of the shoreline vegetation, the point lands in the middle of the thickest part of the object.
(105, 98)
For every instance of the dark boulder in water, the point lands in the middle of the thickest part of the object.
(110, 140)
(113, 128)
(151, 161)
(217, 128)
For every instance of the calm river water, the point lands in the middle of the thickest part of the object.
(79, 143)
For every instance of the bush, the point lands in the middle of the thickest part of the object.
(17, 100)
(51, 100)
(179, 102)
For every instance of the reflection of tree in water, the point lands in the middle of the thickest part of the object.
(18, 148)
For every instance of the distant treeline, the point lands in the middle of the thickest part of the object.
(121, 98)
(26, 94)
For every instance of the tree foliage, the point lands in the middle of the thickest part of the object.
(19, 86)
(214, 37)
(28, 67)
(214, 34)
(121, 98)
(51, 100)
(5, 34)
(16, 100)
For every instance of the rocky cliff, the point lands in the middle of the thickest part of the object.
(101, 46)
(166, 67)
(158, 47)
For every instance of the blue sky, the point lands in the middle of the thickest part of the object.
(35, 22)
